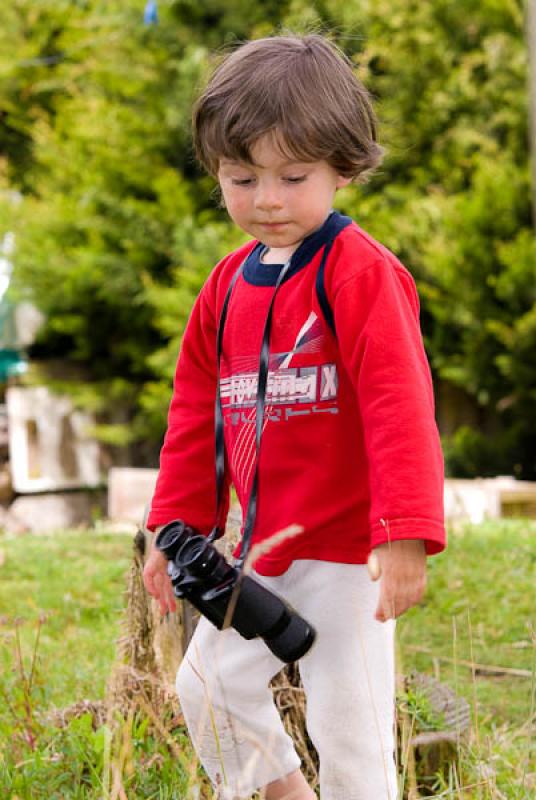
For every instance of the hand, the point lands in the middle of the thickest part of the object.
(402, 566)
(157, 581)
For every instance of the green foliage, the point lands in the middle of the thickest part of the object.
(453, 200)
(31, 48)
(416, 704)
(118, 229)
(469, 452)
(74, 763)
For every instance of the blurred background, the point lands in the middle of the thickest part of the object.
(108, 228)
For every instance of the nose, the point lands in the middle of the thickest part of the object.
(267, 196)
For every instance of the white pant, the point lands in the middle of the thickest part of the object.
(348, 677)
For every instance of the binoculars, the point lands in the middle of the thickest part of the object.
(227, 597)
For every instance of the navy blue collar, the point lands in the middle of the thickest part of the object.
(260, 274)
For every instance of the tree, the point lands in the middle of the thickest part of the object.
(118, 228)
(453, 200)
(105, 193)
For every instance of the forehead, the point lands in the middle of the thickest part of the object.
(266, 153)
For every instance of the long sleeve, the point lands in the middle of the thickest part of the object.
(377, 320)
(186, 487)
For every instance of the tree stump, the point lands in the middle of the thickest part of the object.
(428, 749)
(150, 647)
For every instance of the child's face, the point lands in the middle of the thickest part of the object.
(278, 201)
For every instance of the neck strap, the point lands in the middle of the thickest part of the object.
(262, 381)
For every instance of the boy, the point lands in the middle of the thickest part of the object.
(350, 449)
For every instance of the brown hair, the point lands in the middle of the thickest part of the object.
(303, 91)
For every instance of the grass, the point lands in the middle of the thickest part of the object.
(480, 606)
(480, 609)
(61, 601)
(76, 582)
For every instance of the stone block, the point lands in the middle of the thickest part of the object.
(130, 491)
(44, 513)
(50, 444)
(489, 498)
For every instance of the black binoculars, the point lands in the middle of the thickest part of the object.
(227, 597)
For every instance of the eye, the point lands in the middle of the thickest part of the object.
(242, 181)
(295, 179)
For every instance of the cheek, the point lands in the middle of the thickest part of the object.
(240, 210)
(237, 205)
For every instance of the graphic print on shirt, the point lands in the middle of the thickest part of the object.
(287, 389)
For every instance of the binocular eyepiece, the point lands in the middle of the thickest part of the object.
(227, 597)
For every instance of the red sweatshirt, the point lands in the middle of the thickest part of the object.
(350, 448)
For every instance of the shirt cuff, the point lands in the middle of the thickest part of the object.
(431, 531)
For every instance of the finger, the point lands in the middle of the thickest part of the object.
(394, 607)
(385, 612)
(382, 610)
(389, 605)
(165, 597)
(381, 615)
(170, 596)
(160, 594)
(155, 583)
(164, 592)
(153, 580)
(148, 580)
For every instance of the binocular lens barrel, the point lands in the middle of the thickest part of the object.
(202, 575)
(170, 539)
(195, 555)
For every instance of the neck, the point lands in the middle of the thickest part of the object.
(279, 256)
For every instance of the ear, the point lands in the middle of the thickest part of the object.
(341, 181)
(217, 194)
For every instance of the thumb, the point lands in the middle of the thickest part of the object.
(374, 566)
(375, 571)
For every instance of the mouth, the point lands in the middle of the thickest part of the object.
(272, 226)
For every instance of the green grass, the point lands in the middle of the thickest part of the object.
(68, 588)
(62, 598)
(480, 607)
(76, 581)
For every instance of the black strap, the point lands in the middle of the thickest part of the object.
(341, 223)
(218, 411)
(262, 382)
(321, 289)
(264, 365)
